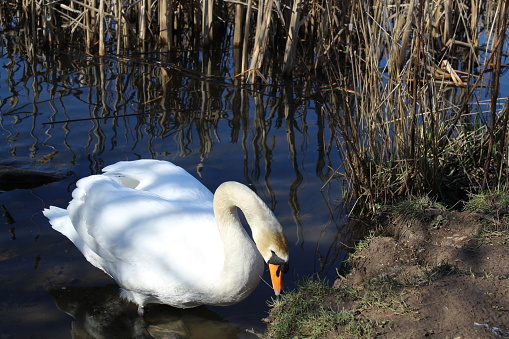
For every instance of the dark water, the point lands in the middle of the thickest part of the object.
(70, 115)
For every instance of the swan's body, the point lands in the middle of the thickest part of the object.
(166, 239)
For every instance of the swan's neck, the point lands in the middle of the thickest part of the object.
(243, 264)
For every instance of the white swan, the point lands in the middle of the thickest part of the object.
(166, 239)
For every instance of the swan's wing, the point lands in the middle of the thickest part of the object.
(160, 177)
(140, 235)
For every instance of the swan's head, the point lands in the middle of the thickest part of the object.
(277, 267)
(273, 247)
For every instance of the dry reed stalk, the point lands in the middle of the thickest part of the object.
(102, 47)
(247, 33)
(117, 9)
(142, 22)
(292, 39)
(263, 22)
(206, 20)
(165, 24)
(238, 26)
(73, 22)
(406, 35)
(125, 29)
(88, 32)
(149, 10)
(90, 7)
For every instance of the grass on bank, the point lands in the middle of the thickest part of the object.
(416, 207)
(494, 203)
(317, 310)
(314, 310)
(493, 207)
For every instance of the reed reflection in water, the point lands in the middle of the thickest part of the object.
(74, 114)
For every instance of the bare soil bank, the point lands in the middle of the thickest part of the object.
(448, 280)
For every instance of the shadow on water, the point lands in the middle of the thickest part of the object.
(98, 312)
(67, 113)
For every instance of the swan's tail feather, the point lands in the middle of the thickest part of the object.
(59, 220)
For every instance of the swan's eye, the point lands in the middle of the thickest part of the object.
(275, 260)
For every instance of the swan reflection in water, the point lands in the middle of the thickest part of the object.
(99, 312)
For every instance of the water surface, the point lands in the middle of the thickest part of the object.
(70, 115)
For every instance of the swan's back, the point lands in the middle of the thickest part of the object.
(159, 177)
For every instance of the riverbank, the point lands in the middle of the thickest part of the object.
(427, 272)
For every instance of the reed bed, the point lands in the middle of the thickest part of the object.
(150, 26)
(411, 88)
(415, 98)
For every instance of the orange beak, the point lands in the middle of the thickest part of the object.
(277, 278)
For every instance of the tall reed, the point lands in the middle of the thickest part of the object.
(408, 99)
